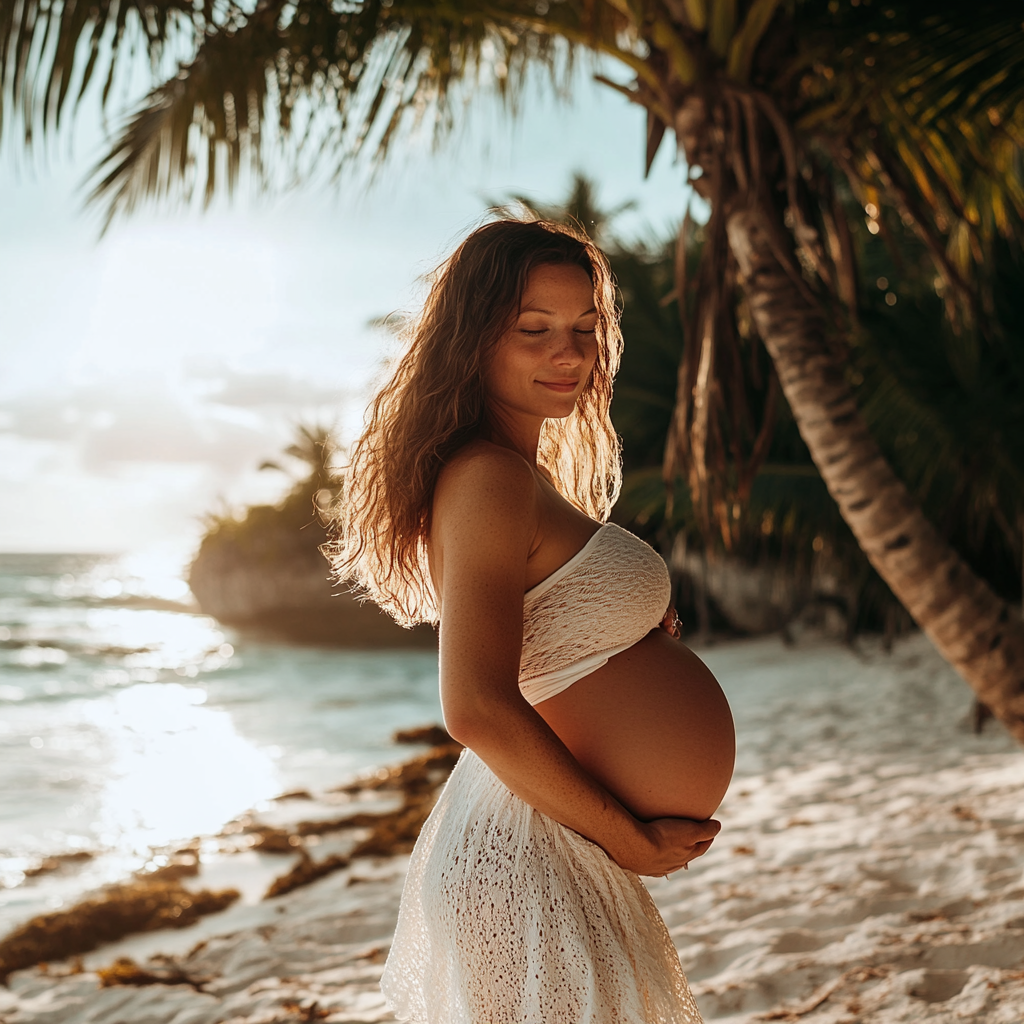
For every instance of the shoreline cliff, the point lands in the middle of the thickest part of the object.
(264, 574)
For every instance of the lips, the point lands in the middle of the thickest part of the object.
(563, 387)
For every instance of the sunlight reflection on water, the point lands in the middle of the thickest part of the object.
(127, 722)
(177, 768)
(157, 573)
(156, 639)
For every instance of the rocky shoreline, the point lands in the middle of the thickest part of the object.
(271, 581)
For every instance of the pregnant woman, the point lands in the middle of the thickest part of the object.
(598, 746)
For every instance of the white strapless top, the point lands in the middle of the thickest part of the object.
(609, 595)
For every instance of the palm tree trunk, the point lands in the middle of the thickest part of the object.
(972, 627)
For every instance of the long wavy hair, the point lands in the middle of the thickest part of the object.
(433, 403)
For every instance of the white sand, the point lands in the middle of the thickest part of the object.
(871, 871)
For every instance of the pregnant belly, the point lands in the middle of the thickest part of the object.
(653, 727)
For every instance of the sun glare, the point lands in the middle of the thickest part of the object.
(231, 319)
(178, 768)
(157, 572)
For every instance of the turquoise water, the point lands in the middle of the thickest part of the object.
(129, 721)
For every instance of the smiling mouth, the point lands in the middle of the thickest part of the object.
(562, 386)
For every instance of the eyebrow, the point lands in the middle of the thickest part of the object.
(548, 312)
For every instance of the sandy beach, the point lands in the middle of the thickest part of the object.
(870, 871)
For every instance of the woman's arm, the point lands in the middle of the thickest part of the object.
(483, 528)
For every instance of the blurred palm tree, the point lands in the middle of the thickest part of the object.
(300, 517)
(314, 449)
(934, 399)
(783, 108)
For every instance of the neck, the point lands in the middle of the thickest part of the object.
(520, 434)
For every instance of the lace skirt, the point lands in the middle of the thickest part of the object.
(508, 917)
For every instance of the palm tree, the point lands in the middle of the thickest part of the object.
(782, 108)
(314, 448)
(933, 398)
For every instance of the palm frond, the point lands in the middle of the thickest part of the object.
(947, 407)
(360, 69)
(323, 79)
(743, 45)
(51, 50)
(923, 107)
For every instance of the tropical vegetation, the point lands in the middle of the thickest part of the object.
(801, 121)
(261, 528)
(260, 568)
(935, 399)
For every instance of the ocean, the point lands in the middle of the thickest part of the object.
(129, 721)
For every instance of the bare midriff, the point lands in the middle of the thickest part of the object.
(652, 726)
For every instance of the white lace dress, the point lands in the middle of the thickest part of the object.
(508, 917)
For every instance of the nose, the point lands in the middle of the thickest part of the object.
(569, 351)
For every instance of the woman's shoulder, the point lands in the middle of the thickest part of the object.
(482, 460)
(483, 473)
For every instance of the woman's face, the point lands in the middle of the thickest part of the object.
(545, 359)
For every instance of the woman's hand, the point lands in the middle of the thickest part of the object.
(671, 624)
(669, 844)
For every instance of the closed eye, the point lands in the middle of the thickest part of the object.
(538, 331)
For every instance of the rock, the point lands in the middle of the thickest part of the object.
(265, 575)
(432, 735)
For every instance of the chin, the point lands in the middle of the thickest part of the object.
(559, 410)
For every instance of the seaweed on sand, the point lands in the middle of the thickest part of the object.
(268, 839)
(393, 832)
(432, 735)
(58, 862)
(307, 1014)
(419, 779)
(125, 971)
(119, 910)
(294, 794)
(425, 772)
(397, 832)
(183, 863)
(305, 871)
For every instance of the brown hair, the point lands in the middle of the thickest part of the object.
(433, 404)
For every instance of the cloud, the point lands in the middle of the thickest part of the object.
(62, 506)
(141, 423)
(104, 466)
(214, 414)
(275, 391)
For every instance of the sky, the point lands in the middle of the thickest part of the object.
(145, 375)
